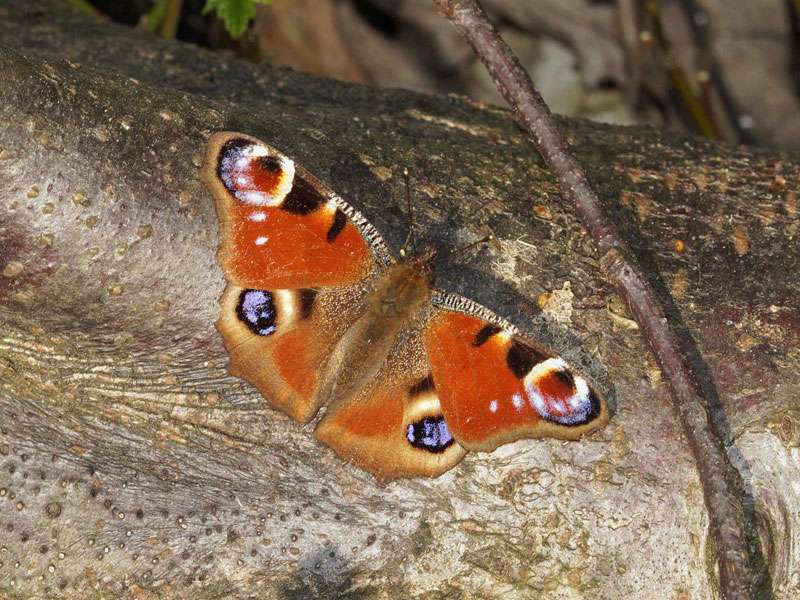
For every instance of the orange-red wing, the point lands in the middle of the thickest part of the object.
(281, 228)
(395, 427)
(280, 340)
(495, 389)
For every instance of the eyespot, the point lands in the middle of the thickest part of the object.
(559, 395)
(252, 174)
(430, 433)
(256, 309)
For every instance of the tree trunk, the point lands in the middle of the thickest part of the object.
(133, 466)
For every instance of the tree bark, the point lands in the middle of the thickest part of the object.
(132, 465)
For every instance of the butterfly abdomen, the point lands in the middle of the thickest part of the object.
(360, 354)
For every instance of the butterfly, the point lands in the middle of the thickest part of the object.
(317, 312)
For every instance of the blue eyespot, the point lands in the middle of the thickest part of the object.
(431, 434)
(256, 309)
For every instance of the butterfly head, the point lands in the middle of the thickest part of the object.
(422, 262)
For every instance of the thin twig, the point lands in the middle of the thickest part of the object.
(721, 484)
(700, 24)
(702, 119)
(88, 8)
(163, 18)
(793, 13)
(169, 26)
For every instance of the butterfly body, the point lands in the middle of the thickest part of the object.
(318, 313)
(359, 355)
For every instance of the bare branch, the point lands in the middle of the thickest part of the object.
(721, 485)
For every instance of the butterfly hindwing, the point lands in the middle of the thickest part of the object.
(457, 381)
(279, 340)
(494, 387)
(394, 427)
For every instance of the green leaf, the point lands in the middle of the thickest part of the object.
(236, 14)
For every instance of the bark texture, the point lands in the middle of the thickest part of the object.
(132, 465)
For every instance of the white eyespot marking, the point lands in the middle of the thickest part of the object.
(493, 406)
(423, 405)
(236, 171)
(545, 367)
(536, 400)
(330, 206)
(258, 217)
(259, 198)
(571, 410)
(255, 151)
(286, 301)
(503, 336)
(581, 395)
(261, 240)
(517, 401)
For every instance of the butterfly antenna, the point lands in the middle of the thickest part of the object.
(463, 249)
(410, 214)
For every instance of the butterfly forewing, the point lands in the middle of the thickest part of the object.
(495, 388)
(280, 228)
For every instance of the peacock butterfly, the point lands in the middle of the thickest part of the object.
(317, 312)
